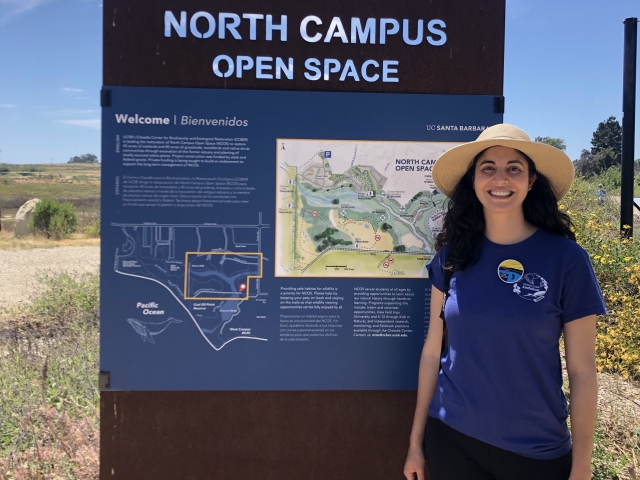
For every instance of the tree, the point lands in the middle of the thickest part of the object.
(554, 142)
(608, 135)
(586, 164)
(606, 158)
(86, 158)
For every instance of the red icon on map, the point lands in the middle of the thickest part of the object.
(378, 238)
(385, 265)
(243, 287)
(390, 259)
(314, 213)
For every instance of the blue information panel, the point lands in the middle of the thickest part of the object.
(271, 240)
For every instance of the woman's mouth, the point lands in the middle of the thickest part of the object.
(500, 193)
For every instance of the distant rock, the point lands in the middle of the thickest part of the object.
(23, 217)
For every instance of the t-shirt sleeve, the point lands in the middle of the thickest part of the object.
(436, 273)
(581, 295)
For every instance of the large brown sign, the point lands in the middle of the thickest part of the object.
(404, 46)
(453, 47)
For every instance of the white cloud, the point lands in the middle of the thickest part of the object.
(80, 112)
(8, 105)
(13, 8)
(67, 89)
(69, 112)
(93, 123)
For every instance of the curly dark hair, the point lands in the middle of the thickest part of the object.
(464, 223)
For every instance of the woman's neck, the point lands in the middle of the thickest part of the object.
(506, 229)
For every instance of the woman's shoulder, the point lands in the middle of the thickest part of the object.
(440, 257)
(435, 268)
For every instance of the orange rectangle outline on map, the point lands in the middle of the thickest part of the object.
(249, 277)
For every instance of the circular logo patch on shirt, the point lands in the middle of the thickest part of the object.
(510, 271)
(533, 287)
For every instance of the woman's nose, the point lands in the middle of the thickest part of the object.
(501, 177)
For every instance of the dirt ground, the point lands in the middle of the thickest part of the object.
(19, 269)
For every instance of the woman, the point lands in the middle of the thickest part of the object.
(491, 405)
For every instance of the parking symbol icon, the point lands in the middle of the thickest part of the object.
(327, 154)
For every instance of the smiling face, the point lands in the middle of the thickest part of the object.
(501, 179)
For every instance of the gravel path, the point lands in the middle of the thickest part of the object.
(636, 212)
(19, 268)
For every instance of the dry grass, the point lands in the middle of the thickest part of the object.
(78, 184)
(616, 452)
(8, 241)
(66, 448)
(619, 415)
(13, 193)
(48, 378)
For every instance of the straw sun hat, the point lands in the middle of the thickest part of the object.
(550, 162)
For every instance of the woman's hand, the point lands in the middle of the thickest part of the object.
(577, 474)
(415, 465)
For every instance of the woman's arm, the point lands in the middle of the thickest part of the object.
(580, 346)
(427, 380)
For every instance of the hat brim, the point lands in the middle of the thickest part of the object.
(550, 162)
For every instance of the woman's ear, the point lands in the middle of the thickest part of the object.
(532, 180)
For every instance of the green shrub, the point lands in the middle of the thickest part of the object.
(612, 178)
(616, 261)
(54, 219)
(64, 297)
(41, 217)
(93, 230)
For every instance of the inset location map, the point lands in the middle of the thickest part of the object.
(209, 269)
(356, 208)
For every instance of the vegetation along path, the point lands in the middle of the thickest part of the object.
(19, 269)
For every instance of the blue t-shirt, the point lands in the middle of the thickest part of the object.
(501, 377)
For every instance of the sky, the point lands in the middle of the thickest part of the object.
(563, 73)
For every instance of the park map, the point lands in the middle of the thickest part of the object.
(356, 208)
